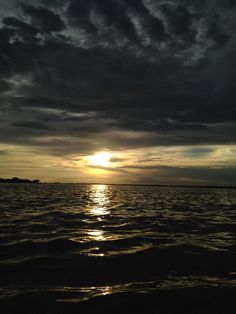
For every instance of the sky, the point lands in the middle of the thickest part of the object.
(118, 91)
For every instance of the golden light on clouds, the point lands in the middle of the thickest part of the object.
(140, 165)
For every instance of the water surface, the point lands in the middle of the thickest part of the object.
(69, 246)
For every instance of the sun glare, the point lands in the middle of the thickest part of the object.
(101, 159)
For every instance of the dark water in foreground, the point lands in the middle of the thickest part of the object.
(110, 249)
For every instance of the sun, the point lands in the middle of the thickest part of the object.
(100, 159)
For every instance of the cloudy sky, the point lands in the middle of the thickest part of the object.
(118, 91)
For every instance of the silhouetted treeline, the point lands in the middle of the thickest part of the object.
(18, 180)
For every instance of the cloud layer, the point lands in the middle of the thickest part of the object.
(81, 76)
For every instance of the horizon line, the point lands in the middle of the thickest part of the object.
(143, 184)
(30, 181)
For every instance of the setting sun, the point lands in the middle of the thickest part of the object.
(100, 159)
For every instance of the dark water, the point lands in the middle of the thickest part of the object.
(106, 249)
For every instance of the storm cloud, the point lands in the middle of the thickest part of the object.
(95, 71)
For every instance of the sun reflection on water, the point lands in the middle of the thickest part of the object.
(98, 207)
(100, 200)
(97, 235)
(106, 290)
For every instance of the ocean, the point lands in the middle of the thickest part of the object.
(70, 248)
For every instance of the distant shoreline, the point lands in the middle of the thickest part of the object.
(18, 180)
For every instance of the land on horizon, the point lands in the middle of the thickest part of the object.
(18, 180)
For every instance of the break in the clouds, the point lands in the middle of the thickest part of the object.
(128, 76)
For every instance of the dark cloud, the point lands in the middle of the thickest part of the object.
(153, 25)
(116, 15)
(86, 68)
(31, 125)
(155, 28)
(3, 153)
(15, 23)
(19, 32)
(196, 175)
(215, 32)
(180, 21)
(45, 20)
(4, 85)
(137, 6)
(53, 3)
(79, 15)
